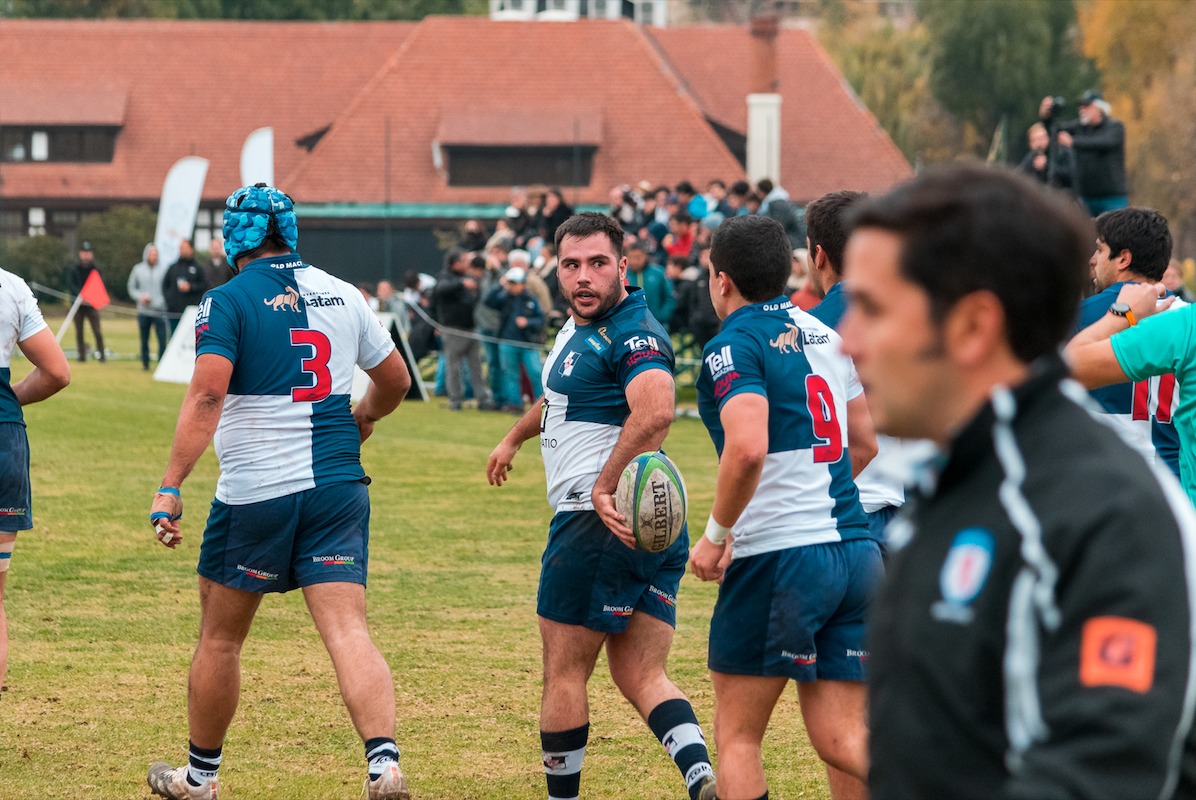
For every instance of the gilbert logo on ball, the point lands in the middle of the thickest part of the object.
(651, 494)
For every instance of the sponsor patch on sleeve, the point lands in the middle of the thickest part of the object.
(1117, 651)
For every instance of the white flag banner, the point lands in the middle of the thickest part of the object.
(257, 158)
(180, 203)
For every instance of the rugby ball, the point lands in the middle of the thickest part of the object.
(651, 494)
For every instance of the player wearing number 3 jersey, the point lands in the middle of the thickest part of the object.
(781, 404)
(275, 352)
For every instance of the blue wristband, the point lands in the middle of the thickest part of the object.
(157, 515)
(168, 490)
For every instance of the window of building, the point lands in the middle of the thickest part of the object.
(66, 143)
(517, 166)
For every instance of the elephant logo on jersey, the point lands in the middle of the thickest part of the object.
(288, 300)
(789, 341)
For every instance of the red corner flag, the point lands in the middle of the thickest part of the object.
(93, 291)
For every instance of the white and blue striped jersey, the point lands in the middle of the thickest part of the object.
(20, 318)
(585, 402)
(293, 333)
(806, 494)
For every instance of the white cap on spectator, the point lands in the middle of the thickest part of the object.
(516, 275)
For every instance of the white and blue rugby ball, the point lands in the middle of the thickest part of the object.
(651, 494)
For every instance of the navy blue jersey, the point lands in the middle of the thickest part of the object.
(585, 401)
(806, 494)
(1144, 410)
(294, 334)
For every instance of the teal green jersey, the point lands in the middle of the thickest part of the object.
(1160, 344)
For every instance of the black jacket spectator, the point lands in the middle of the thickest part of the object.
(453, 300)
(1100, 158)
(184, 273)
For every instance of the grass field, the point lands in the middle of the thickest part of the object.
(103, 620)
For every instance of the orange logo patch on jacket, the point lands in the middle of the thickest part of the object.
(1117, 651)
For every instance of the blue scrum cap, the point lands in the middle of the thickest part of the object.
(253, 213)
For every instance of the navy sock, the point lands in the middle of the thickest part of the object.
(563, 753)
(676, 726)
(202, 764)
(379, 751)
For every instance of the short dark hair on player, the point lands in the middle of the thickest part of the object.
(591, 223)
(754, 252)
(826, 224)
(1142, 231)
(969, 228)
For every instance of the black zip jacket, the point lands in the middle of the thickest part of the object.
(1033, 635)
(1100, 158)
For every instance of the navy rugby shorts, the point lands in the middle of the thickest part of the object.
(320, 535)
(588, 577)
(797, 613)
(16, 503)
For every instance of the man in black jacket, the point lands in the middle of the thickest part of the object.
(453, 302)
(1098, 142)
(76, 276)
(184, 284)
(1034, 635)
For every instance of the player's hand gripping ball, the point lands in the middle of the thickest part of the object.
(651, 494)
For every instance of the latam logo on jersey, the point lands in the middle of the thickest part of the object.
(964, 572)
(325, 300)
(287, 301)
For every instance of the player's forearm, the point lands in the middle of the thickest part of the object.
(197, 424)
(644, 431)
(739, 469)
(40, 384)
(528, 426)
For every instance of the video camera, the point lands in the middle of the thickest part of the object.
(1058, 106)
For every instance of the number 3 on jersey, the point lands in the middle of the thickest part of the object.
(824, 420)
(316, 365)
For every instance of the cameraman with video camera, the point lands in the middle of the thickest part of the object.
(1099, 144)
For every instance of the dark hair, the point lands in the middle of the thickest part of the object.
(1142, 231)
(683, 218)
(740, 188)
(679, 260)
(591, 223)
(453, 256)
(765, 185)
(754, 252)
(685, 187)
(477, 261)
(716, 182)
(969, 228)
(826, 224)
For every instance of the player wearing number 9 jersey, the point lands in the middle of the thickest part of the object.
(779, 399)
(275, 352)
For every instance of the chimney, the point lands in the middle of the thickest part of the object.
(764, 55)
(764, 104)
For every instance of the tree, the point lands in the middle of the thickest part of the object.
(889, 68)
(246, 9)
(118, 237)
(994, 60)
(1146, 53)
(38, 259)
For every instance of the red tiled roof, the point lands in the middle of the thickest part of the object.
(191, 88)
(643, 96)
(650, 126)
(35, 104)
(829, 140)
(515, 126)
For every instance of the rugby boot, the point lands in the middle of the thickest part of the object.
(707, 789)
(390, 785)
(171, 782)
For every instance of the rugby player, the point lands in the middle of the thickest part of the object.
(21, 325)
(608, 396)
(275, 352)
(782, 404)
